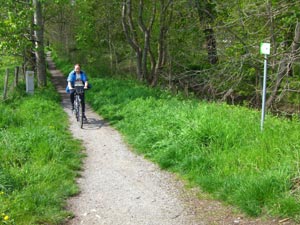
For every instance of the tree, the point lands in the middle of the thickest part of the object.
(22, 27)
(165, 19)
(39, 43)
(141, 42)
(206, 14)
(286, 64)
(132, 37)
(15, 23)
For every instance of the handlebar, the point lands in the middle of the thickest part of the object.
(78, 89)
(85, 88)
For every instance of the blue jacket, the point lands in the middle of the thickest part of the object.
(72, 79)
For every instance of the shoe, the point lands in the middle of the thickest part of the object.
(84, 118)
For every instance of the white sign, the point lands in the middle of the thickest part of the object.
(265, 48)
(30, 82)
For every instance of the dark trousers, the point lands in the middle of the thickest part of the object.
(72, 97)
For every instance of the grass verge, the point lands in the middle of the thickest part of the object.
(39, 159)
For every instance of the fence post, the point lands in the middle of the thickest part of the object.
(16, 76)
(5, 84)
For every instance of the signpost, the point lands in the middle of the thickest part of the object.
(265, 50)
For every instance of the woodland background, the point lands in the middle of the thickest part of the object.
(207, 48)
(130, 49)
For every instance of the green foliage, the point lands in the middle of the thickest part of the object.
(95, 38)
(14, 26)
(38, 159)
(96, 35)
(216, 146)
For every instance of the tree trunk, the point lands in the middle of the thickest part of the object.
(142, 53)
(131, 36)
(39, 44)
(162, 48)
(285, 65)
(206, 17)
(211, 46)
(147, 35)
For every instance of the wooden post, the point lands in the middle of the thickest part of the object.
(23, 70)
(16, 76)
(5, 84)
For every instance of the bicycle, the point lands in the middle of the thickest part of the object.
(78, 107)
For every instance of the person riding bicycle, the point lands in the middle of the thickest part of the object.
(77, 75)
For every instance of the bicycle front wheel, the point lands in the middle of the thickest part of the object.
(77, 107)
(80, 115)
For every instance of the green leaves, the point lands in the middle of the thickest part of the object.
(14, 25)
(229, 31)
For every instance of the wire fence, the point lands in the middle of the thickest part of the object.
(12, 81)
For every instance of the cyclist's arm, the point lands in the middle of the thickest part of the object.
(70, 78)
(86, 83)
(70, 85)
(85, 80)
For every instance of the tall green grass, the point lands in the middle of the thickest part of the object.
(9, 83)
(215, 146)
(39, 159)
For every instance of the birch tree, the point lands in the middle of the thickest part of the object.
(39, 43)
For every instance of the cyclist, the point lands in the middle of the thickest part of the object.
(77, 75)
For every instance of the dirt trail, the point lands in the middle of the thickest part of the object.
(119, 187)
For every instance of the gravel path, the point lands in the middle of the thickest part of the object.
(118, 187)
